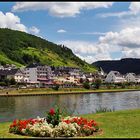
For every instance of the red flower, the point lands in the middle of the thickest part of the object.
(52, 112)
(14, 122)
(67, 121)
(95, 124)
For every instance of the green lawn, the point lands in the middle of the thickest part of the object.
(4, 127)
(118, 124)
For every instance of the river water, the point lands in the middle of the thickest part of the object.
(24, 107)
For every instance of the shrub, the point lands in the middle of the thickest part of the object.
(12, 81)
(19, 125)
(56, 87)
(53, 116)
(86, 127)
(65, 130)
(86, 85)
(2, 84)
(98, 83)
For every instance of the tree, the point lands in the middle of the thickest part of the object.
(12, 81)
(56, 87)
(123, 85)
(108, 85)
(6, 81)
(86, 85)
(81, 80)
(27, 58)
(98, 83)
(2, 84)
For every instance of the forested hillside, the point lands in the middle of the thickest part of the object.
(21, 49)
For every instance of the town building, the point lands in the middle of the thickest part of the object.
(37, 74)
(131, 77)
(114, 77)
(17, 74)
(138, 78)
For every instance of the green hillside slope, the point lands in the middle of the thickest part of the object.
(21, 49)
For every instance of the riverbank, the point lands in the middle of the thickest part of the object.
(118, 124)
(47, 91)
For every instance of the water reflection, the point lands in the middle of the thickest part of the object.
(33, 106)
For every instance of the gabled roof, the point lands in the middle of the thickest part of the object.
(9, 72)
(56, 72)
(131, 73)
(117, 74)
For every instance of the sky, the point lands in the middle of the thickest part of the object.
(92, 30)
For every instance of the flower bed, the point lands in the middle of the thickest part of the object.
(54, 125)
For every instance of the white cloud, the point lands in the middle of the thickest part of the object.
(60, 9)
(129, 22)
(80, 47)
(126, 41)
(93, 33)
(88, 51)
(34, 30)
(116, 14)
(132, 53)
(134, 9)
(61, 31)
(11, 21)
(128, 37)
(93, 58)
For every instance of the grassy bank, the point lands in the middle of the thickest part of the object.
(118, 124)
(41, 91)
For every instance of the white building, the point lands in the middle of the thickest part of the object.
(114, 77)
(138, 78)
(131, 77)
(19, 76)
(36, 73)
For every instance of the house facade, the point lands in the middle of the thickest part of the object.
(36, 73)
(131, 77)
(17, 74)
(114, 77)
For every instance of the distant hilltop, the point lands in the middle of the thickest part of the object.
(124, 65)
